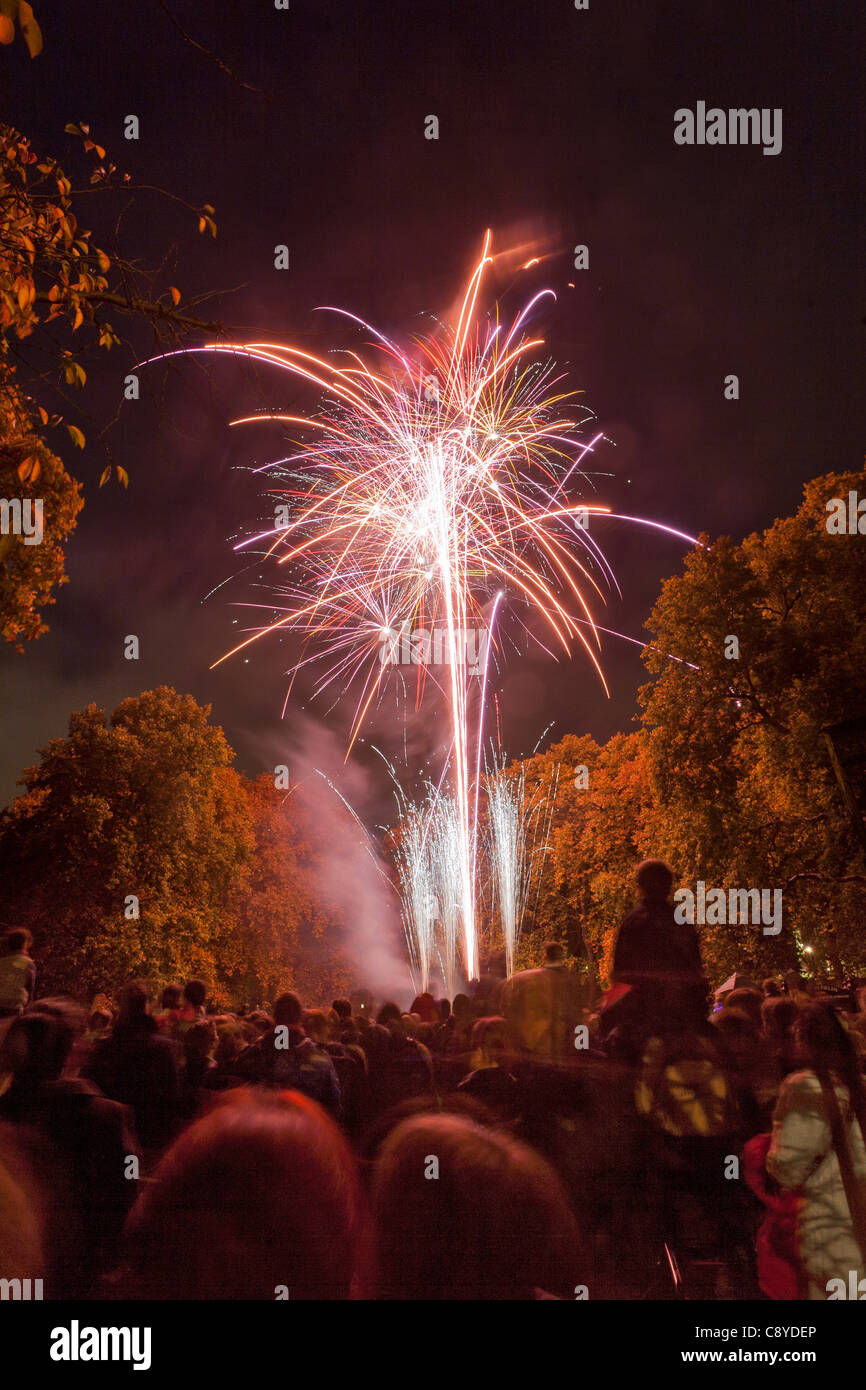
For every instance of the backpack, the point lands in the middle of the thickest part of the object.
(682, 1088)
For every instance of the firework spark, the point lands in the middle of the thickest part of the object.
(517, 834)
(430, 480)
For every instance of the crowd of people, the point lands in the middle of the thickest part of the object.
(526, 1139)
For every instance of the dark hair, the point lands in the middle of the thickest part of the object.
(553, 952)
(771, 987)
(778, 1015)
(38, 1042)
(826, 1047)
(748, 1001)
(200, 1039)
(99, 1018)
(134, 1001)
(17, 940)
(491, 1034)
(342, 1008)
(654, 878)
(195, 993)
(495, 1224)
(288, 1010)
(316, 1022)
(171, 997)
(389, 1013)
(444, 1009)
(261, 1192)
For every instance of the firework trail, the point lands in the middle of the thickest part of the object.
(429, 481)
(517, 837)
(445, 855)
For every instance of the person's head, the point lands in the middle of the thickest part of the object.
(462, 1009)
(794, 982)
(262, 1192)
(778, 1015)
(16, 941)
(171, 997)
(771, 988)
(230, 1040)
(195, 993)
(490, 1038)
(424, 1005)
(494, 1224)
(134, 1003)
(39, 1043)
(444, 1009)
(739, 1031)
(288, 1010)
(389, 1013)
(654, 879)
(823, 1045)
(343, 1009)
(99, 1020)
(199, 1041)
(316, 1025)
(553, 953)
(747, 1001)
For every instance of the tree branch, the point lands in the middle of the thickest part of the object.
(144, 307)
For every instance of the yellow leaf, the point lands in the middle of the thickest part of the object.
(78, 320)
(123, 476)
(43, 415)
(25, 468)
(201, 224)
(23, 294)
(104, 262)
(76, 436)
(106, 474)
(175, 294)
(7, 29)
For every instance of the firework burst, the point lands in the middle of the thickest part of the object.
(430, 480)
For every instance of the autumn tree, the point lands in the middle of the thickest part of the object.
(53, 273)
(598, 832)
(288, 935)
(130, 847)
(756, 647)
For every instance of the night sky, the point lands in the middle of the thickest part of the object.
(556, 129)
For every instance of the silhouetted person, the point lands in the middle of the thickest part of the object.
(660, 959)
(78, 1142)
(490, 1221)
(544, 1006)
(285, 1058)
(17, 973)
(137, 1067)
(258, 1199)
(193, 1007)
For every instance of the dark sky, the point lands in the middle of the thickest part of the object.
(556, 125)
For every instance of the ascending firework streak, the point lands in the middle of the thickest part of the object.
(434, 479)
(517, 833)
(427, 856)
(446, 871)
(417, 889)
